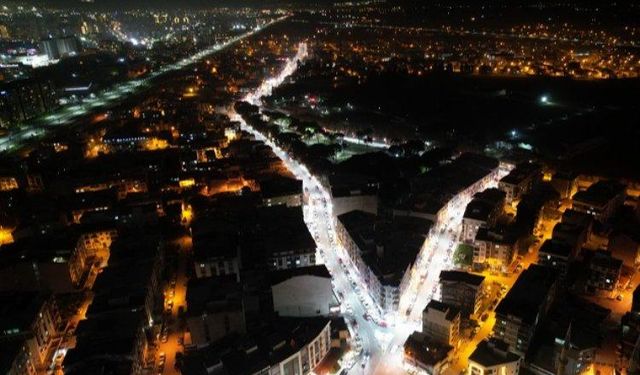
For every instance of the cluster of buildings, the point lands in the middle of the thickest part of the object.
(384, 251)
(461, 45)
(550, 320)
(162, 236)
(26, 99)
(437, 346)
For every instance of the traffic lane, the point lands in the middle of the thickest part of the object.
(364, 329)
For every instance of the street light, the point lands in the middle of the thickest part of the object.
(544, 99)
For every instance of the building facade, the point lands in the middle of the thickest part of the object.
(462, 290)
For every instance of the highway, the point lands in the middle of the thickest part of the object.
(65, 115)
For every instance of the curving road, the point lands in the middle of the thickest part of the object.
(378, 347)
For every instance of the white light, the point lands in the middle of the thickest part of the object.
(544, 99)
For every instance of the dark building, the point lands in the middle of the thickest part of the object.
(25, 99)
(522, 309)
(55, 48)
(556, 254)
(520, 180)
(462, 290)
(601, 199)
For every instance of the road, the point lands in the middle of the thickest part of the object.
(380, 338)
(102, 100)
(175, 297)
(368, 337)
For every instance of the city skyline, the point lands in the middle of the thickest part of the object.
(309, 187)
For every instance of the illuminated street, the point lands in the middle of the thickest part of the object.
(369, 339)
(104, 99)
(383, 345)
(175, 301)
(198, 187)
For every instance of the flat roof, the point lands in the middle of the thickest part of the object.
(528, 294)
(492, 353)
(556, 248)
(280, 186)
(600, 193)
(521, 172)
(388, 245)
(450, 311)
(350, 184)
(276, 277)
(461, 277)
(426, 351)
(432, 190)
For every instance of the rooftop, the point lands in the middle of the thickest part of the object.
(388, 246)
(213, 294)
(461, 277)
(521, 173)
(105, 342)
(497, 235)
(576, 217)
(280, 186)
(603, 259)
(600, 193)
(249, 354)
(432, 190)
(450, 311)
(489, 353)
(276, 277)
(529, 293)
(425, 351)
(484, 203)
(349, 184)
(556, 249)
